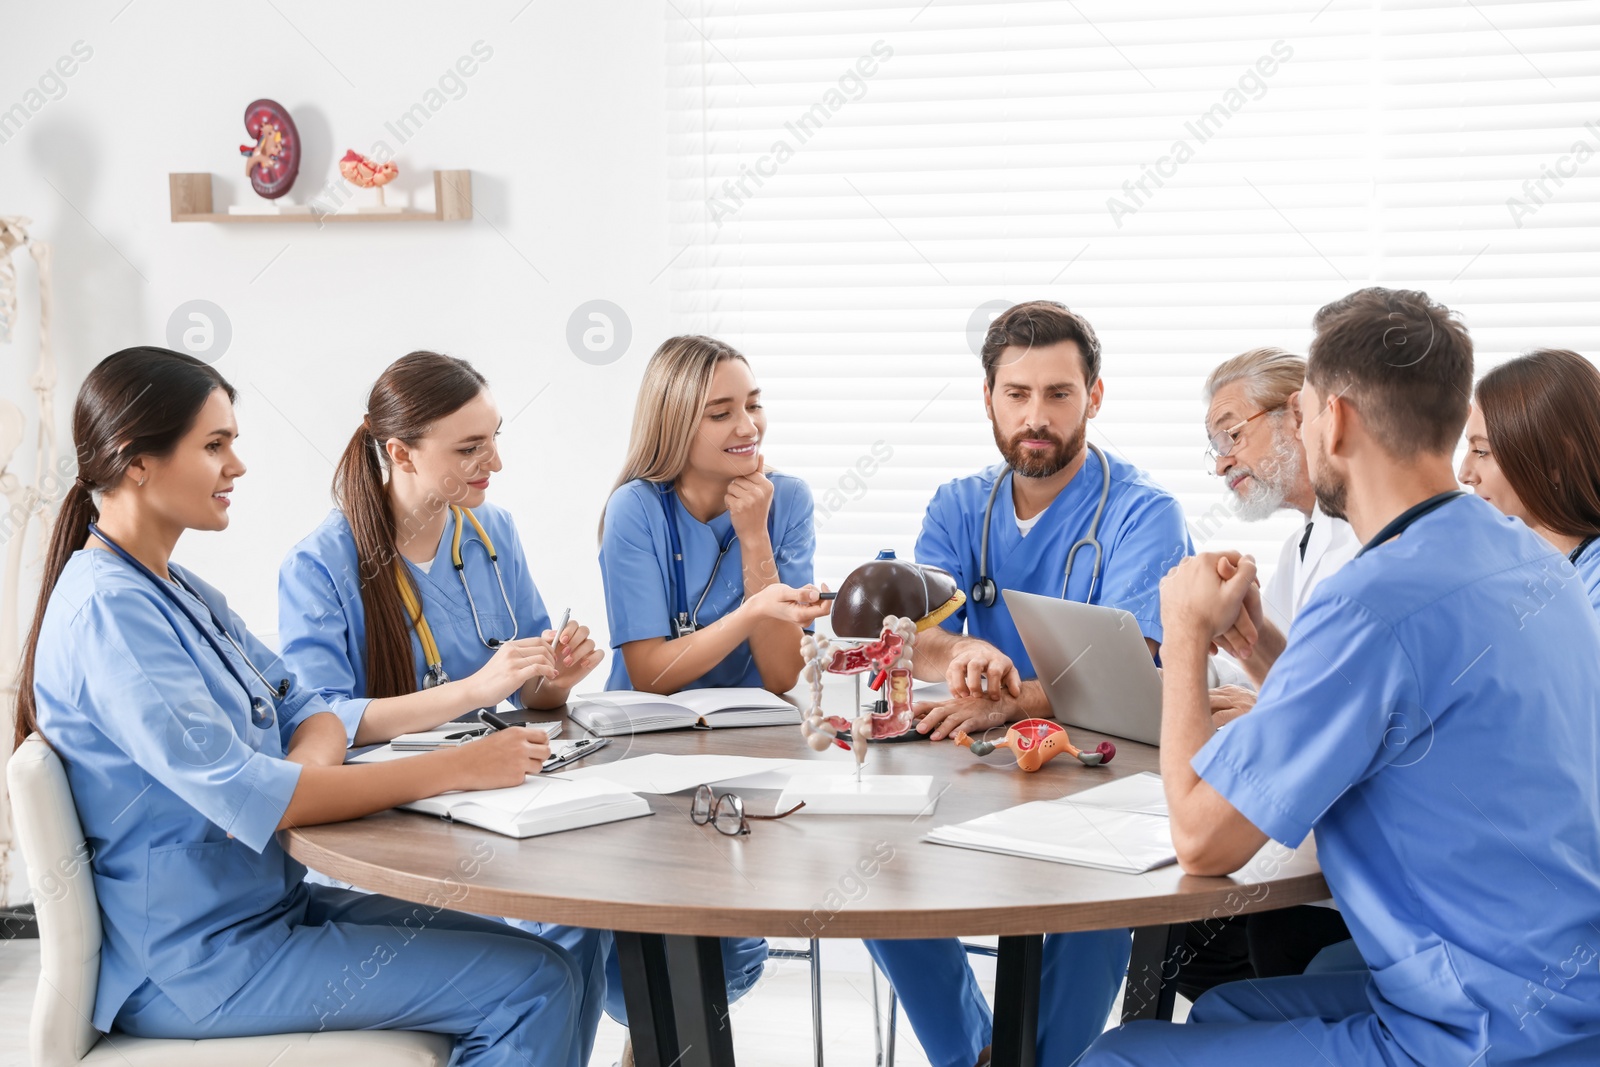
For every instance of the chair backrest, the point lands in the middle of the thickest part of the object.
(60, 1033)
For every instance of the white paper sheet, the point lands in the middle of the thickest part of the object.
(660, 773)
(1140, 792)
(1063, 832)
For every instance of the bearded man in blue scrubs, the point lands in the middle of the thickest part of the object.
(1434, 716)
(1042, 385)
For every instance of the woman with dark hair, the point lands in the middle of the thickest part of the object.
(1533, 451)
(188, 744)
(412, 604)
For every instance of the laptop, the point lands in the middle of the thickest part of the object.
(1093, 663)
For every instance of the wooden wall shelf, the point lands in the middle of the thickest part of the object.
(452, 198)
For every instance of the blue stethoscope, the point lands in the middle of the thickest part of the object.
(984, 592)
(261, 711)
(684, 622)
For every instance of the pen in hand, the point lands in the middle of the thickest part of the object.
(555, 645)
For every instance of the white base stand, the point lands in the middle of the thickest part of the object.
(841, 794)
(269, 207)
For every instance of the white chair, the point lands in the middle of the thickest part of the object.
(60, 1034)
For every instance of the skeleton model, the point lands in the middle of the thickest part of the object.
(23, 502)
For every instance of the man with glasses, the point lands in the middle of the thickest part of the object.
(1253, 420)
(1253, 423)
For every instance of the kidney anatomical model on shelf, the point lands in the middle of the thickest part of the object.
(274, 160)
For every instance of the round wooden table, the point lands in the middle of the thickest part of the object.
(670, 888)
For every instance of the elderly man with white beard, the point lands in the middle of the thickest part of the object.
(1253, 422)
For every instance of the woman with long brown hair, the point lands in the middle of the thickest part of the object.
(188, 744)
(1533, 451)
(412, 603)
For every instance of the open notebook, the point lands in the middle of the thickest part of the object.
(538, 806)
(1120, 826)
(625, 711)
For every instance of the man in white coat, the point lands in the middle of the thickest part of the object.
(1253, 423)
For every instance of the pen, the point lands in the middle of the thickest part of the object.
(555, 645)
(494, 721)
(826, 596)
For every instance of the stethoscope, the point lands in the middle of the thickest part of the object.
(1403, 521)
(1583, 546)
(684, 622)
(434, 674)
(984, 592)
(261, 712)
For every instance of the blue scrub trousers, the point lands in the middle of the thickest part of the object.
(1322, 1018)
(1079, 978)
(358, 961)
(743, 959)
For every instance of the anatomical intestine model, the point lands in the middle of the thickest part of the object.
(884, 604)
(274, 160)
(360, 171)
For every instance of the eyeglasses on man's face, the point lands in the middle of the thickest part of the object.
(1223, 442)
(725, 812)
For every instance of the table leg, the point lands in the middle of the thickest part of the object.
(700, 1001)
(1016, 1001)
(1153, 973)
(647, 991)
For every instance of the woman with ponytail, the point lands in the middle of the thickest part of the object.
(188, 744)
(412, 604)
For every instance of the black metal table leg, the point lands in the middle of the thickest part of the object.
(1153, 973)
(700, 1001)
(647, 991)
(1016, 1001)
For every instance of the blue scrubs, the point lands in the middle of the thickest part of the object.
(1142, 533)
(323, 629)
(209, 930)
(1143, 536)
(1434, 719)
(1588, 564)
(636, 567)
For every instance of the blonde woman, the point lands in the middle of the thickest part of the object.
(731, 610)
(705, 555)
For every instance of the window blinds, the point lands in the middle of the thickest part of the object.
(856, 188)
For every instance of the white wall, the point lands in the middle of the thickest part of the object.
(563, 130)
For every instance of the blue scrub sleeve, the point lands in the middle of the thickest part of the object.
(936, 547)
(315, 633)
(1151, 540)
(796, 549)
(169, 723)
(1341, 701)
(634, 569)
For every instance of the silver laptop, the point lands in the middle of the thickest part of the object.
(1093, 663)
